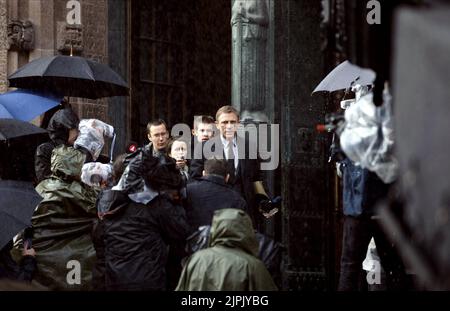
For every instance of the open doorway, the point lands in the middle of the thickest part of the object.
(180, 61)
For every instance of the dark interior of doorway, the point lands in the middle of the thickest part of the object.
(180, 61)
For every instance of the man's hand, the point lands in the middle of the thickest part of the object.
(29, 252)
(270, 207)
(270, 213)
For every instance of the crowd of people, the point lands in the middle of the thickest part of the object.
(168, 215)
(130, 228)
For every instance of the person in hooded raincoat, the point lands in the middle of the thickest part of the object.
(63, 130)
(62, 224)
(142, 219)
(230, 263)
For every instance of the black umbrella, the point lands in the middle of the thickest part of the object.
(70, 76)
(18, 200)
(12, 129)
(18, 142)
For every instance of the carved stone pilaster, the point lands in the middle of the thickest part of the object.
(325, 25)
(69, 38)
(340, 29)
(249, 24)
(20, 35)
(3, 47)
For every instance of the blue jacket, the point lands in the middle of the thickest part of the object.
(361, 189)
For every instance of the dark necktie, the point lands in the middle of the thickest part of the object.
(230, 162)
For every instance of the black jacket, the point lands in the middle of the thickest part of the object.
(208, 194)
(248, 171)
(109, 204)
(62, 121)
(136, 243)
(9, 269)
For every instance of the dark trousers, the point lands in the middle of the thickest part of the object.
(357, 234)
(173, 266)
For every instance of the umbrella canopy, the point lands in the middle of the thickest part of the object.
(18, 200)
(343, 76)
(70, 76)
(18, 142)
(26, 105)
(11, 129)
(4, 113)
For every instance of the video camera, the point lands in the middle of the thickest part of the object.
(334, 123)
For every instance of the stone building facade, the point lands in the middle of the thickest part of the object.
(52, 34)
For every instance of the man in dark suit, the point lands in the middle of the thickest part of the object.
(211, 193)
(244, 169)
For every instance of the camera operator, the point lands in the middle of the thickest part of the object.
(361, 191)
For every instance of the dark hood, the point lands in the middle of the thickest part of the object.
(59, 125)
(233, 228)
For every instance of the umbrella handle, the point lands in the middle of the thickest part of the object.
(112, 148)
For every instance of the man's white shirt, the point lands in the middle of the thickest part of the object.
(226, 144)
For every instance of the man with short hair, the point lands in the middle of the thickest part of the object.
(244, 172)
(158, 135)
(211, 193)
